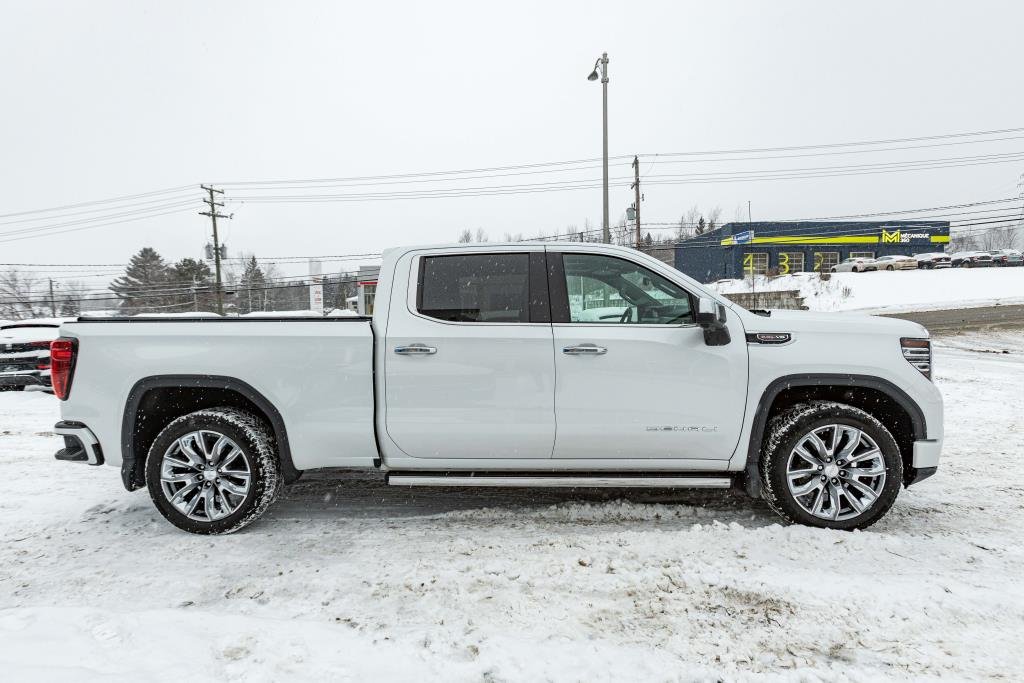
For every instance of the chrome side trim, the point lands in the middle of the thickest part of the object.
(559, 482)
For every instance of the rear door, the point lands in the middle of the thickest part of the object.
(469, 359)
(635, 379)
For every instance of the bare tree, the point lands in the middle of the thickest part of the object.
(740, 214)
(481, 235)
(688, 223)
(962, 242)
(71, 297)
(513, 237)
(714, 217)
(18, 294)
(465, 236)
(1000, 238)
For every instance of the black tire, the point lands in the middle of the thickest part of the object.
(890, 268)
(253, 438)
(785, 432)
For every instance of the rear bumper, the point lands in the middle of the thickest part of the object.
(80, 444)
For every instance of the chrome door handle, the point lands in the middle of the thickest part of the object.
(585, 350)
(415, 350)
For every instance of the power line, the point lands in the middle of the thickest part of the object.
(98, 201)
(833, 145)
(51, 231)
(654, 179)
(72, 214)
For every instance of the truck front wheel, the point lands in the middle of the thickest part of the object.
(830, 465)
(213, 471)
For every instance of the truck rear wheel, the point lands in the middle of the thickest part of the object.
(213, 471)
(830, 465)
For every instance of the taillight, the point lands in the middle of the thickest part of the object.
(62, 365)
(918, 353)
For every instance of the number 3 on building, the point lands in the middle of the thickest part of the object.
(783, 264)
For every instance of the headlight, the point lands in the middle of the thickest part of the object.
(918, 353)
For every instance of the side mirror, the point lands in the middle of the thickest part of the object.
(711, 317)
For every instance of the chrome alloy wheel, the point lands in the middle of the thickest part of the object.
(836, 472)
(205, 475)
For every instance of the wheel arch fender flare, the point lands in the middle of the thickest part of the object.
(752, 474)
(132, 464)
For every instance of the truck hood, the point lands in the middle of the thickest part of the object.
(815, 321)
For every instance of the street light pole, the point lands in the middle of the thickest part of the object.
(601, 65)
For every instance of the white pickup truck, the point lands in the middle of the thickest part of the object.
(572, 365)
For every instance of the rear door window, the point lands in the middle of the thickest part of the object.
(475, 288)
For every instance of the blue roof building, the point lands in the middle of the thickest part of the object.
(737, 250)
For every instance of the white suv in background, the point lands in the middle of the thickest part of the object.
(855, 264)
(896, 262)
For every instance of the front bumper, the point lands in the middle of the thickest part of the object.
(924, 463)
(80, 444)
(926, 453)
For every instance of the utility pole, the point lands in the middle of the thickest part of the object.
(212, 213)
(601, 69)
(53, 302)
(753, 273)
(636, 207)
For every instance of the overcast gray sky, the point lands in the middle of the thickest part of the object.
(103, 99)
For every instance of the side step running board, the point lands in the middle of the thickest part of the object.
(558, 481)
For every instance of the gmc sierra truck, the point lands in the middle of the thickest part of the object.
(533, 365)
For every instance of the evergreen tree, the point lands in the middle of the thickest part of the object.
(701, 226)
(142, 288)
(192, 286)
(252, 294)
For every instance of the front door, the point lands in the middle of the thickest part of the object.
(468, 358)
(634, 378)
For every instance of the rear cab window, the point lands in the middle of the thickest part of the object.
(481, 288)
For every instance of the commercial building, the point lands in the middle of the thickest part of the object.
(737, 250)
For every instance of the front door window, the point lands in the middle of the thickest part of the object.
(605, 289)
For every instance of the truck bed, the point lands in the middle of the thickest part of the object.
(316, 372)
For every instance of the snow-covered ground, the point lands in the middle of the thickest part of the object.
(913, 290)
(350, 580)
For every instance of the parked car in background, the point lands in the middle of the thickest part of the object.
(971, 259)
(1006, 257)
(936, 260)
(896, 262)
(25, 353)
(855, 264)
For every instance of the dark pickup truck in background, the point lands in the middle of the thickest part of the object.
(25, 353)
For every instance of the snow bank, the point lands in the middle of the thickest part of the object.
(897, 290)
